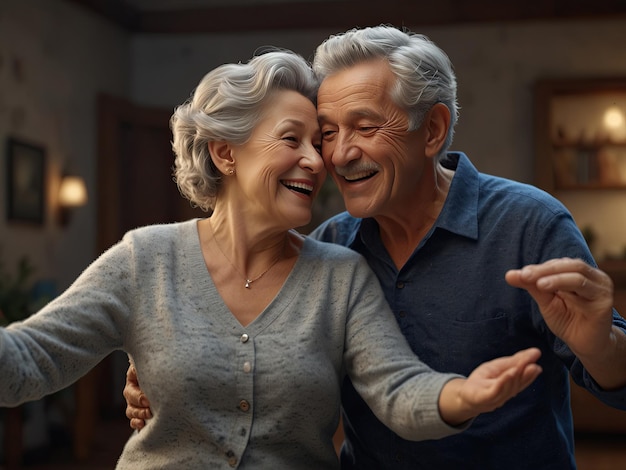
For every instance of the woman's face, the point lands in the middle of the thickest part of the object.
(279, 171)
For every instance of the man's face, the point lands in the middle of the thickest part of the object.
(376, 163)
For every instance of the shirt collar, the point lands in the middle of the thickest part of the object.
(460, 211)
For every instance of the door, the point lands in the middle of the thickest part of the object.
(135, 165)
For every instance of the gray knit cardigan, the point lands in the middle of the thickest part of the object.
(264, 396)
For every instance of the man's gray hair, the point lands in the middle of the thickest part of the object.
(424, 73)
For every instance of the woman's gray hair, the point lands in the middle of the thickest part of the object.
(226, 106)
(424, 73)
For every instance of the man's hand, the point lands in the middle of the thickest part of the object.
(137, 405)
(576, 302)
(489, 386)
(575, 299)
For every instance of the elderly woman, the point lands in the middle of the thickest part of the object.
(241, 329)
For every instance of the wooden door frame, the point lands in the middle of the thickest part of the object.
(112, 113)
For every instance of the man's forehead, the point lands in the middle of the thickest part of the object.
(362, 99)
(367, 79)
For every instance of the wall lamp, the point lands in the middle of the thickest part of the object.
(72, 194)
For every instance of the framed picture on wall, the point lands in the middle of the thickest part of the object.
(25, 185)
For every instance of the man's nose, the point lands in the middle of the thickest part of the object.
(345, 149)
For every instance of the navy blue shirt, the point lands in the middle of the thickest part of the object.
(457, 311)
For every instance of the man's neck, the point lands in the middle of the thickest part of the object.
(402, 232)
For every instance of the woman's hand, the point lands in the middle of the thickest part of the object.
(137, 404)
(488, 387)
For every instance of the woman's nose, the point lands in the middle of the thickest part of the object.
(312, 160)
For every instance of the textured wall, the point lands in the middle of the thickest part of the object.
(56, 57)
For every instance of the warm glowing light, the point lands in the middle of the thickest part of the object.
(73, 192)
(614, 117)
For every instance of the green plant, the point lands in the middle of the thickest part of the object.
(14, 292)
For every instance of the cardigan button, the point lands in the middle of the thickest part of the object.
(244, 338)
(232, 460)
(244, 405)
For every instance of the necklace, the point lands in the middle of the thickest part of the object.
(249, 281)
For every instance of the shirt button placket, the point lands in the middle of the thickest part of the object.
(399, 286)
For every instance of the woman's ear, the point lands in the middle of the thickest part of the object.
(221, 155)
(437, 125)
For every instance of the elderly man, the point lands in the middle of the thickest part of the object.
(445, 242)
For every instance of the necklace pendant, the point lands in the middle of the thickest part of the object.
(248, 281)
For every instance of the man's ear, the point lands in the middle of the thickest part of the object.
(222, 157)
(437, 125)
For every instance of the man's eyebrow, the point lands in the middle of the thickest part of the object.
(363, 112)
(354, 114)
(321, 117)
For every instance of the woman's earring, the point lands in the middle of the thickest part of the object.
(231, 171)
